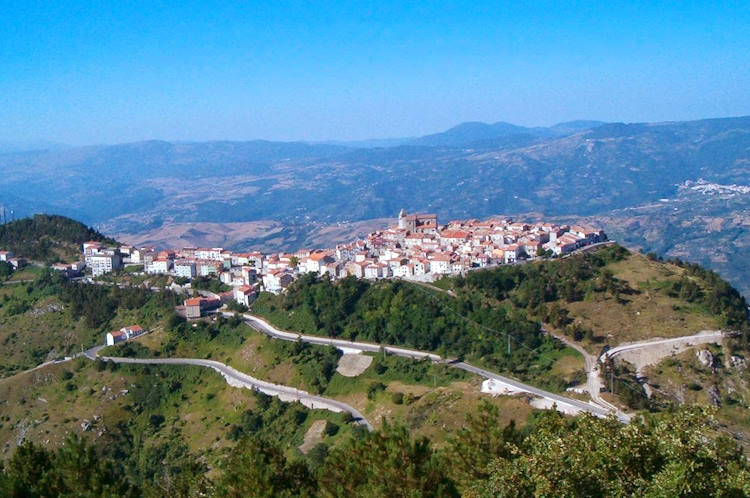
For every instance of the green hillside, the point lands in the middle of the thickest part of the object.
(182, 431)
(47, 238)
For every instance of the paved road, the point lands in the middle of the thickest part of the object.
(702, 337)
(268, 329)
(556, 398)
(238, 379)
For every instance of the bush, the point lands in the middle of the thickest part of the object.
(374, 388)
(331, 429)
(397, 398)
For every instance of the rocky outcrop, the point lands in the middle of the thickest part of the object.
(707, 359)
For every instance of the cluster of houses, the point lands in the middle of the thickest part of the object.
(416, 248)
(123, 334)
(14, 261)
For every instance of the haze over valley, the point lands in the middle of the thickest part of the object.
(285, 196)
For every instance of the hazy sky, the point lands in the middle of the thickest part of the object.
(106, 72)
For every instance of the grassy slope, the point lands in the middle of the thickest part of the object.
(436, 397)
(683, 379)
(645, 314)
(37, 327)
(45, 405)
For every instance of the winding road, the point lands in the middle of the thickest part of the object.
(577, 405)
(702, 337)
(236, 378)
(593, 375)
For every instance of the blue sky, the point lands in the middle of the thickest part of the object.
(107, 72)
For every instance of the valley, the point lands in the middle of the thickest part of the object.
(629, 179)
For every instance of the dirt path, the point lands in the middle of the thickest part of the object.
(593, 378)
(645, 353)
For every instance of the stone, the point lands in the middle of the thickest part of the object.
(705, 358)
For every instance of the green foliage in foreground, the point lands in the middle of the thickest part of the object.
(669, 454)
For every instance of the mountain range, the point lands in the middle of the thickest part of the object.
(603, 172)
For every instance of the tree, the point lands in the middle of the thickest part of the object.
(385, 463)
(482, 440)
(257, 467)
(671, 454)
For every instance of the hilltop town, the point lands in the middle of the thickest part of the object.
(417, 247)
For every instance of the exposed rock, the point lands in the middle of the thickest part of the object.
(706, 358)
(738, 362)
(85, 425)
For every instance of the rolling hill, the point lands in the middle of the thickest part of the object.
(572, 170)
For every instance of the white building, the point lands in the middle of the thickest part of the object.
(440, 263)
(115, 337)
(277, 280)
(244, 295)
(184, 268)
(214, 253)
(103, 262)
(123, 334)
(317, 260)
(159, 266)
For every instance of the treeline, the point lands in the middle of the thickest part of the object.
(715, 294)
(406, 314)
(98, 304)
(47, 237)
(669, 454)
(531, 285)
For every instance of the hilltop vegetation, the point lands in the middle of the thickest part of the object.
(406, 314)
(565, 292)
(47, 238)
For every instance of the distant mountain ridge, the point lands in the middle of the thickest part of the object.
(474, 170)
(469, 133)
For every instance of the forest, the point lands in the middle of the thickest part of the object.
(678, 453)
(47, 238)
(401, 313)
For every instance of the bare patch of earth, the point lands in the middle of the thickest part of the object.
(352, 365)
(654, 353)
(313, 436)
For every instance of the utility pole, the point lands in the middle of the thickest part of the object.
(507, 335)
